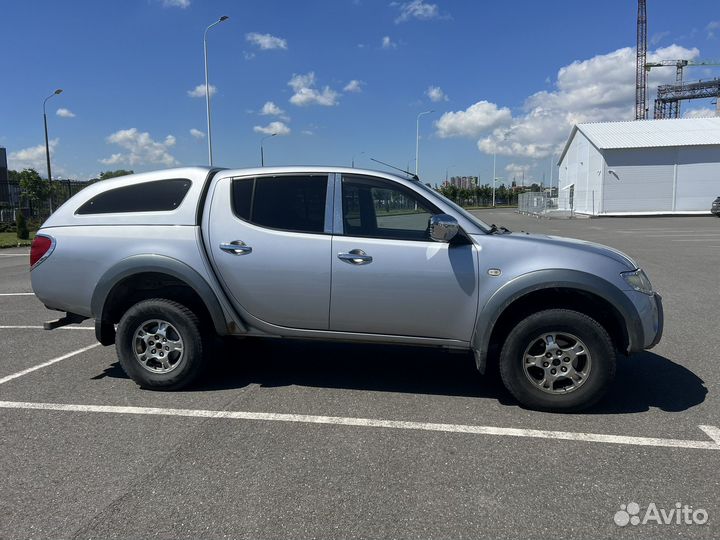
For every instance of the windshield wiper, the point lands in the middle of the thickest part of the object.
(495, 230)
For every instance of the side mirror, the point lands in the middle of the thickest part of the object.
(443, 227)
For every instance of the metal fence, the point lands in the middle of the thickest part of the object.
(580, 202)
(483, 202)
(13, 200)
(568, 204)
(536, 203)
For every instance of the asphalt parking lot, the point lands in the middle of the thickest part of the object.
(288, 439)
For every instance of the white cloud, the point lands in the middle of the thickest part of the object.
(182, 4)
(113, 159)
(353, 86)
(32, 158)
(307, 94)
(416, 9)
(266, 42)
(514, 169)
(199, 91)
(307, 132)
(248, 55)
(65, 113)
(197, 133)
(711, 28)
(141, 149)
(435, 93)
(270, 109)
(704, 112)
(476, 119)
(598, 89)
(279, 128)
(388, 43)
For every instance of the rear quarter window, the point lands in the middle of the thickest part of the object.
(158, 196)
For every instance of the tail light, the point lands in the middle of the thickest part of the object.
(41, 248)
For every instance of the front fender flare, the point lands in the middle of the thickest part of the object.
(518, 287)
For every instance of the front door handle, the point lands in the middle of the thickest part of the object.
(236, 247)
(355, 256)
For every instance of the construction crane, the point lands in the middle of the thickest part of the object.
(667, 104)
(641, 73)
(680, 65)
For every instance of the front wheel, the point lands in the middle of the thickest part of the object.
(160, 344)
(558, 360)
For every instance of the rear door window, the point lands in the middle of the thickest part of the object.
(290, 203)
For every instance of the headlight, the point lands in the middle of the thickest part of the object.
(638, 281)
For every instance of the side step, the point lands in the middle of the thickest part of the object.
(69, 318)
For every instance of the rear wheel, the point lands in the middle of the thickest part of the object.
(557, 360)
(160, 344)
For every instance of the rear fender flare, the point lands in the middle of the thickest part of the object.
(140, 264)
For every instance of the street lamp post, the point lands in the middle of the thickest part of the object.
(47, 144)
(447, 171)
(417, 139)
(262, 152)
(504, 137)
(493, 179)
(207, 86)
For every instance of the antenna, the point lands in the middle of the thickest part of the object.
(411, 175)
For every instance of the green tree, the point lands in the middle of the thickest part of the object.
(33, 187)
(60, 192)
(450, 191)
(464, 195)
(22, 230)
(114, 174)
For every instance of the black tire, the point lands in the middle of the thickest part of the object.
(188, 363)
(526, 382)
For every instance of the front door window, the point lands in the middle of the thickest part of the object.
(375, 209)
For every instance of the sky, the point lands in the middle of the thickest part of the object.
(336, 80)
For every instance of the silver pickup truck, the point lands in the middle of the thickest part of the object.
(164, 261)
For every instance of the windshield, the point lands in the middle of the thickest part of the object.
(480, 223)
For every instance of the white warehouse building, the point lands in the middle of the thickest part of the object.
(667, 166)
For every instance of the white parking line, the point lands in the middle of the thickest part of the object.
(371, 422)
(17, 294)
(659, 229)
(712, 432)
(14, 254)
(46, 364)
(36, 327)
(692, 239)
(683, 235)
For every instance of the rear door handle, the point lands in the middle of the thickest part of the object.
(355, 256)
(236, 247)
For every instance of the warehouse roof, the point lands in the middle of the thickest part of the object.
(649, 133)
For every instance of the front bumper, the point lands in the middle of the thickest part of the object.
(645, 322)
(660, 321)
